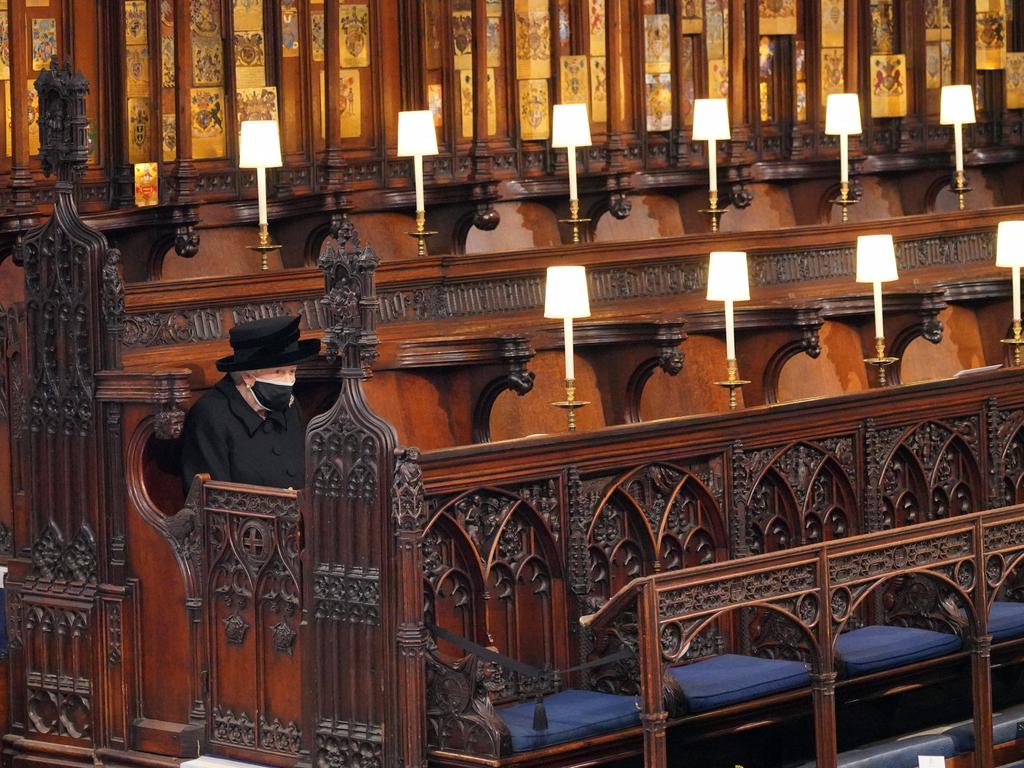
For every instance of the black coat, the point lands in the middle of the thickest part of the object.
(226, 438)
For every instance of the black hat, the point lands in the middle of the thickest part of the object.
(267, 343)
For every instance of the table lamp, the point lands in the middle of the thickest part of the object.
(711, 124)
(728, 282)
(842, 119)
(876, 264)
(1010, 253)
(566, 297)
(416, 138)
(570, 128)
(259, 147)
(956, 108)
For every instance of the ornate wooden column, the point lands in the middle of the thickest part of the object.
(742, 89)
(68, 601)
(652, 707)
(334, 159)
(354, 580)
(481, 152)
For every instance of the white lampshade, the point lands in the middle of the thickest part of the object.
(1010, 244)
(876, 259)
(842, 114)
(565, 293)
(570, 126)
(710, 120)
(259, 145)
(416, 133)
(727, 276)
(956, 105)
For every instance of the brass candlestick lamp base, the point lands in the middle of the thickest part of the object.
(732, 382)
(575, 220)
(1015, 343)
(421, 234)
(713, 210)
(570, 404)
(845, 200)
(960, 187)
(880, 360)
(264, 247)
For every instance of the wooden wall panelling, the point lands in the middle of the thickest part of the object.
(989, 300)
(907, 316)
(478, 369)
(624, 355)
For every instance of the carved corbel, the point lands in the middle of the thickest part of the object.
(516, 353)
(740, 195)
(670, 359)
(809, 324)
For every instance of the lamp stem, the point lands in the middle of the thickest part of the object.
(879, 333)
(1015, 272)
(712, 167)
(261, 194)
(417, 164)
(571, 161)
(844, 158)
(570, 371)
(958, 140)
(730, 331)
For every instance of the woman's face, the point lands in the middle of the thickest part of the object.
(283, 375)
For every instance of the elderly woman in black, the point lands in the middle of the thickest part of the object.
(248, 427)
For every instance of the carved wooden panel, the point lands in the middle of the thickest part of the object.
(252, 592)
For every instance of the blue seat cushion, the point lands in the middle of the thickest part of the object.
(873, 648)
(1004, 729)
(1006, 620)
(572, 715)
(727, 679)
(901, 752)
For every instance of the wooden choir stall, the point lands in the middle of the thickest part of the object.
(663, 471)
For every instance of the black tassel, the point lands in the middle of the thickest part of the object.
(540, 715)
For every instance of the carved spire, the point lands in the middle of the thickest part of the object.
(351, 300)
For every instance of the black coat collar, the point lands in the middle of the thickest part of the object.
(243, 411)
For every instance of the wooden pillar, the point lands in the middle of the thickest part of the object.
(410, 51)
(21, 176)
(622, 91)
(852, 62)
(480, 152)
(332, 118)
(741, 97)
(981, 695)
(823, 680)
(408, 518)
(652, 709)
(963, 41)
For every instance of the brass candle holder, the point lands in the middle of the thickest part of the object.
(570, 404)
(421, 234)
(713, 210)
(575, 220)
(732, 382)
(881, 361)
(960, 187)
(264, 247)
(1015, 343)
(845, 200)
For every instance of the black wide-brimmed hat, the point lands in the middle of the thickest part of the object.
(267, 343)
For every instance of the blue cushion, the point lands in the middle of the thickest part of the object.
(1006, 620)
(901, 752)
(572, 715)
(870, 649)
(1004, 729)
(727, 679)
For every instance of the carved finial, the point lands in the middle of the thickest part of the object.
(63, 125)
(351, 298)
